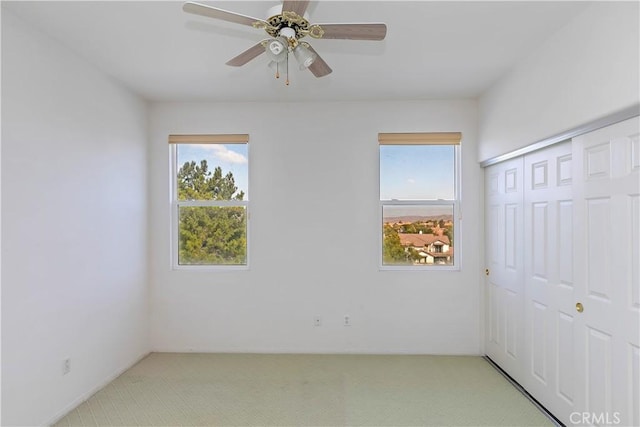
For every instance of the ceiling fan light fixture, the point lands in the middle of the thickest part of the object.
(304, 56)
(276, 46)
(277, 49)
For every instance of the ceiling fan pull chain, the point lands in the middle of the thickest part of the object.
(287, 82)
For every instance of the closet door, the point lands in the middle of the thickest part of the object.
(504, 261)
(606, 254)
(548, 279)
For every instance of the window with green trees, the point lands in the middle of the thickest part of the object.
(210, 203)
(419, 200)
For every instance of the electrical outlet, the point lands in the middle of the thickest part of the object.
(66, 366)
(347, 320)
(317, 321)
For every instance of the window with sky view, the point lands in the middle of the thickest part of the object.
(418, 198)
(211, 197)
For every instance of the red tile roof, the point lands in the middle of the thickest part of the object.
(420, 240)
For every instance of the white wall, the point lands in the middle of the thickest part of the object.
(74, 208)
(0, 223)
(587, 70)
(314, 237)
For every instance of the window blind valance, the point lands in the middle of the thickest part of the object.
(420, 138)
(220, 138)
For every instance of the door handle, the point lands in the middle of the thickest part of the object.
(579, 307)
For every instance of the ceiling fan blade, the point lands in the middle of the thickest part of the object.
(246, 56)
(367, 31)
(297, 6)
(319, 68)
(214, 12)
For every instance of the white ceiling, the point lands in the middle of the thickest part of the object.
(447, 49)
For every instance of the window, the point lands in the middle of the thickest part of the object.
(210, 197)
(419, 200)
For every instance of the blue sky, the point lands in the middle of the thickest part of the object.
(416, 172)
(407, 172)
(230, 157)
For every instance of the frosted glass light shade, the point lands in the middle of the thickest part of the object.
(277, 49)
(304, 56)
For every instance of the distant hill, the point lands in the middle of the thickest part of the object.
(417, 218)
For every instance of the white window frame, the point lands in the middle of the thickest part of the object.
(176, 204)
(449, 138)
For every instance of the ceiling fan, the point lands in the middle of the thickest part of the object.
(286, 26)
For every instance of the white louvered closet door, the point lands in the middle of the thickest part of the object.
(607, 259)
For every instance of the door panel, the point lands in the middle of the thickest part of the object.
(565, 362)
(599, 374)
(598, 247)
(539, 342)
(504, 253)
(634, 285)
(606, 270)
(548, 278)
(494, 317)
(565, 243)
(634, 398)
(513, 323)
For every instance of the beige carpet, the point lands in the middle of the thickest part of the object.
(189, 389)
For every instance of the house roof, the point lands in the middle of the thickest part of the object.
(419, 240)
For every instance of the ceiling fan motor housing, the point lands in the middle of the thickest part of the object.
(283, 19)
(288, 32)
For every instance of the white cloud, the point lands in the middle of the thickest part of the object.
(411, 181)
(221, 152)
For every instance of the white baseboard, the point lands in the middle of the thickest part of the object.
(364, 352)
(85, 396)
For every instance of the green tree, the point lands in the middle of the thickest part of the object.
(410, 228)
(449, 233)
(196, 182)
(392, 250)
(414, 255)
(210, 234)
